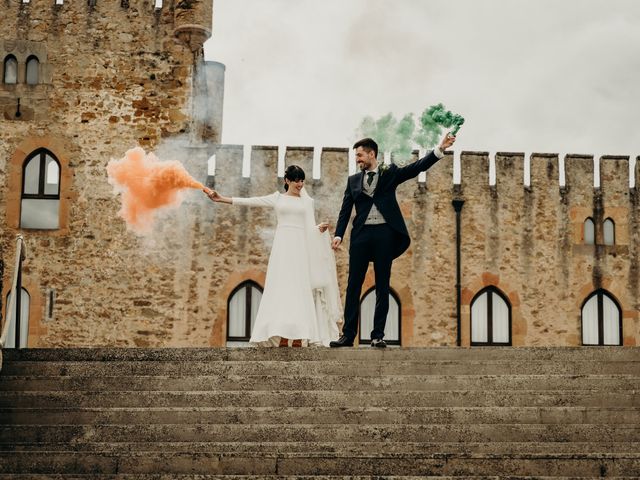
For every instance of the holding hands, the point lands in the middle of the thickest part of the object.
(212, 194)
(215, 196)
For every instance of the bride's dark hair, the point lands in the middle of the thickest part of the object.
(293, 173)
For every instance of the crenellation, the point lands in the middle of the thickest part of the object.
(264, 166)
(614, 187)
(474, 170)
(228, 172)
(579, 176)
(544, 170)
(439, 178)
(303, 158)
(509, 170)
(334, 166)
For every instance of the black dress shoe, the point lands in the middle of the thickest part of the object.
(342, 342)
(378, 343)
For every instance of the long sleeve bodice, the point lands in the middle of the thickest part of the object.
(290, 211)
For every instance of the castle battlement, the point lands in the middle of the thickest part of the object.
(329, 165)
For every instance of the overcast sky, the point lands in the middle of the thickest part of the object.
(539, 75)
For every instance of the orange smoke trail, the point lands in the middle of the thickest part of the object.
(146, 185)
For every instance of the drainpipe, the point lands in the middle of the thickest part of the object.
(18, 311)
(457, 206)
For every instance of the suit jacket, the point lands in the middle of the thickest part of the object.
(384, 198)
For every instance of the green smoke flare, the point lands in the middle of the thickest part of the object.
(400, 136)
(432, 120)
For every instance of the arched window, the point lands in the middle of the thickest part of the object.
(601, 320)
(33, 70)
(242, 309)
(391, 328)
(23, 331)
(10, 72)
(40, 203)
(490, 318)
(589, 232)
(609, 230)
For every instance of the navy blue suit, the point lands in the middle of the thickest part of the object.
(379, 244)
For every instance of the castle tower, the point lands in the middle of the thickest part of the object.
(81, 83)
(192, 23)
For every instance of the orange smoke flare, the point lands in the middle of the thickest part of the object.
(146, 185)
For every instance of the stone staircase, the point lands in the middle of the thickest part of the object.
(518, 413)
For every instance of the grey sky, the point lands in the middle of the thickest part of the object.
(546, 76)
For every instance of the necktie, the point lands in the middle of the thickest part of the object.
(370, 179)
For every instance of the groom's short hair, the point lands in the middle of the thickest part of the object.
(367, 144)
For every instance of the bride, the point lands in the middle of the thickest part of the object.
(301, 275)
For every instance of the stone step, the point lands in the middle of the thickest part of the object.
(290, 413)
(322, 398)
(313, 367)
(353, 448)
(591, 465)
(363, 354)
(173, 476)
(319, 415)
(14, 434)
(317, 382)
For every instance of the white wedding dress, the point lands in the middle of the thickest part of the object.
(301, 299)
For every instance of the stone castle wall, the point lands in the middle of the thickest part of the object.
(525, 240)
(116, 76)
(112, 75)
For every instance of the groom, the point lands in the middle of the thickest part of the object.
(379, 233)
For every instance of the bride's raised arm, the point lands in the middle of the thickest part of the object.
(265, 201)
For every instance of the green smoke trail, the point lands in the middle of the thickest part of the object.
(400, 136)
(390, 134)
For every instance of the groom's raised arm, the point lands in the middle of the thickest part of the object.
(345, 212)
(412, 170)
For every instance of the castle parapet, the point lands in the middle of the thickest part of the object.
(327, 167)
